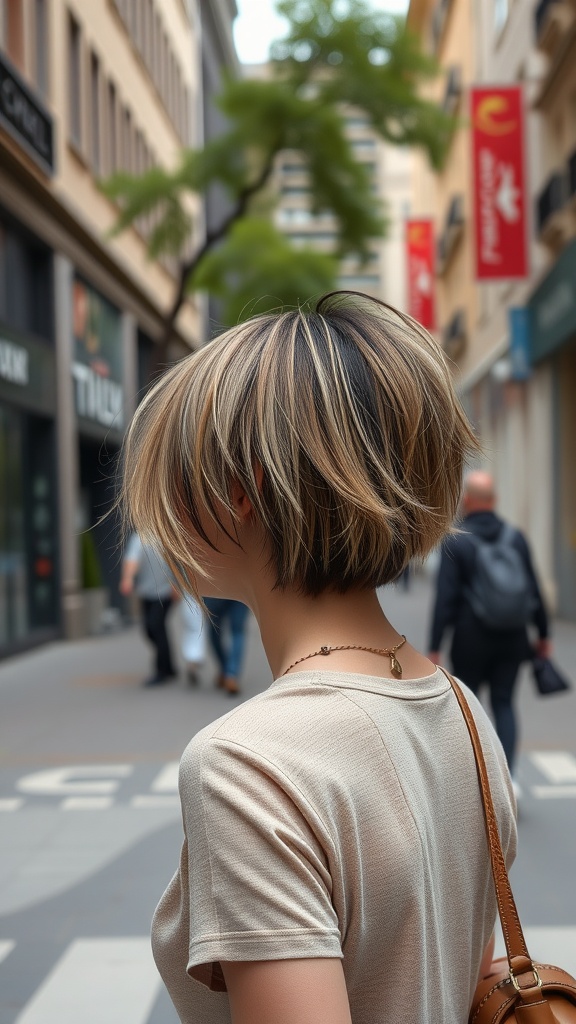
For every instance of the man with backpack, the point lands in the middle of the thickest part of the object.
(487, 592)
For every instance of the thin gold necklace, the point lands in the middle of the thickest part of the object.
(390, 652)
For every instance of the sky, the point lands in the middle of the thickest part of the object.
(257, 26)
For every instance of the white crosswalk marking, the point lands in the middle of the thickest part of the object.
(97, 980)
(11, 803)
(548, 945)
(6, 947)
(554, 792)
(167, 780)
(86, 803)
(556, 766)
(153, 801)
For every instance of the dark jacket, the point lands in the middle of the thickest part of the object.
(452, 608)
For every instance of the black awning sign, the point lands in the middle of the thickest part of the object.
(25, 118)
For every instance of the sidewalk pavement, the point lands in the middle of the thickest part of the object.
(79, 700)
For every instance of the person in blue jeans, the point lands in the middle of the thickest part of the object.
(228, 643)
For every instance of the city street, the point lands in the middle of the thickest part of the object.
(90, 824)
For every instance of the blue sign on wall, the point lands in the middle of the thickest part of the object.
(519, 320)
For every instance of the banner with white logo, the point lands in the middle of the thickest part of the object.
(499, 182)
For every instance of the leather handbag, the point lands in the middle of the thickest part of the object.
(547, 678)
(517, 989)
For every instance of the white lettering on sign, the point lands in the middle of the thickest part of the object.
(97, 398)
(75, 780)
(24, 117)
(14, 363)
(489, 226)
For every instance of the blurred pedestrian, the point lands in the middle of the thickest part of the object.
(145, 573)
(193, 638)
(227, 631)
(487, 593)
(335, 865)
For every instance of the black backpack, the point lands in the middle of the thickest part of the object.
(501, 592)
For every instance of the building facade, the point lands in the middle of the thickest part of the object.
(86, 89)
(219, 59)
(526, 425)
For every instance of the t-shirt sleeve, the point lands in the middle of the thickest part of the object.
(133, 552)
(259, 884)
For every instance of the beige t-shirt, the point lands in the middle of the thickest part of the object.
(337, 815)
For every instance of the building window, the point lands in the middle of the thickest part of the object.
(359, 281)
(295, 215)
(501, 12)
(148, 33)
(112, 129)
(95, 113)
(75, 80)
(363, 145)
(14, 31)
(127, 140)
(41, 46)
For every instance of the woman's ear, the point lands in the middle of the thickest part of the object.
(240, 500)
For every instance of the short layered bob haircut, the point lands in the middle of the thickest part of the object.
(341, 425)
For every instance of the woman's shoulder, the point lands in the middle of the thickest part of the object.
(280, 726)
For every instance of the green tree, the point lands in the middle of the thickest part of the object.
(337, 54)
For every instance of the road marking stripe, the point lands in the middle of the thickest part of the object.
(11, 803)
(6, 947)
(96, 980)
(556, 765)
(553, 792)
(548, 945)
(87, 803)
(147, 801)
(75, 780)
(167, 780)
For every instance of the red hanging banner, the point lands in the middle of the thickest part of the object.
(499, 182)
(420, 256)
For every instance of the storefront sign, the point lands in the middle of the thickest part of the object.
(25, 118)
(27, 372)
(519, 320)
(14, 363)
(499, 189)
(97, 367)
(97, 398)
(420, 258)
(553, 307)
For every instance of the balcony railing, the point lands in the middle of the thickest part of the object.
(551, 199)
(454, 335)
(438, 20)
(453, 90)
(453, 224)
(541, 13)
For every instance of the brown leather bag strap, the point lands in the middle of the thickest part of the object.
(518, 957)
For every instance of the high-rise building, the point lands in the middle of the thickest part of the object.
(86, 89)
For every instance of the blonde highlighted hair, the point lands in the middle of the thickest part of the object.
(341, 425)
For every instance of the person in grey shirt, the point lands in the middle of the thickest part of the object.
(145, 573)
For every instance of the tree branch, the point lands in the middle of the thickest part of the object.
(212, 237)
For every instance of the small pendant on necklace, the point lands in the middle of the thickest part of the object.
(324, 650)
(395, 667)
